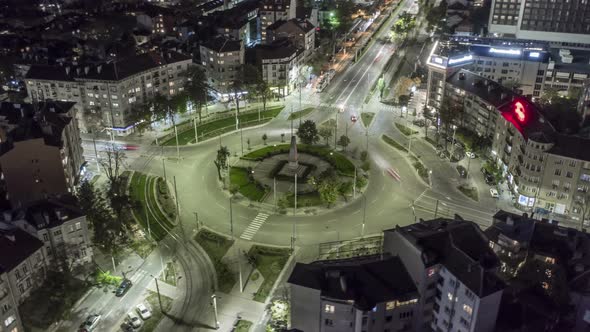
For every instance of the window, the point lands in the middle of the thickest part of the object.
(57, 232)
(450, 296)
(28, 282)
(115, 105)
(149, 85)
(557, 172)
(569, 174)
(464, 322)
(45, 237)
(469, 294)
(78, 225)
(390, 305)
(17, 274)
(329, 308)
(467, 309)
(21, 288)
(25, 269)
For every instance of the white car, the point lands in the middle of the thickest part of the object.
(134, 320)
(143, 311)
(470, 154)
(494, 193)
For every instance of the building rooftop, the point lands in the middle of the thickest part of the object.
(53, 212)
(16, 246)
(514, 226)
(303, 25)
(461, 247)
(277, 50)
(367, 283)
(490, 91)
(110, 71)
(575, 147)
(19, 122)
(221, 44)
(580, 62)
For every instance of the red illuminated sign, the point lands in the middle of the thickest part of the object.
(519, 111)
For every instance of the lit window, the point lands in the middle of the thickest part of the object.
(149, 85)
(91, 103)
(115, 105)
(550, 260)
(329, 308)
(131, 100)
(390, 305)
(171, 83)
(78, 226)
(467, 309)
(104, 96)
(137, 89)
(114, 97)
(450, 296)
(90, 95)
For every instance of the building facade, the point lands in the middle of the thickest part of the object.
(23, 268)
(299, 31)
(106, 93)
(280, 64)
(222, 59)
(454, 271)
(272, 11)
(40, 150)
(556, 21)
(362, 294)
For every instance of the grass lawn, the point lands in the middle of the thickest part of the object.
(52, 301)
(393, 143)
(216, 247)
(157, 315)
(270, 262)
(300, 114)
(243, 326)
(367, 117)
(218, 127)
(421, 169)
(470, 192)
(305, 200)
(142, 247)
(339, 161)
(169, 274)
(165, 199)
(158, 223)
(249, 188)
(405, 130)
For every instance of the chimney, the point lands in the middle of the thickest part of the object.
(46, 217)
(68, 70)
(86, 69)
(78, 71)
(99, 68)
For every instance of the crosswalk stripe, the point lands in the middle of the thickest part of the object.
(254, 226)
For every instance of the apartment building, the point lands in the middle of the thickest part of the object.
(362, 294)
(222, 59)
(280, 63)
(271, 11)
(40, 150)
(110, 90)
(454, 271)
(528, 67)
(61, 226)
(23, 267)
(556, 21)
(299, 31)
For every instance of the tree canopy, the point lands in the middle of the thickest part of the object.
(308, 133)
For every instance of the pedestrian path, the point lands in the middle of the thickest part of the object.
(254, 226)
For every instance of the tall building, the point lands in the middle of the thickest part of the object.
(40, 150)
(109, 91)
(61, 226)
(299, 31)
(272, 11)
(361, 294)
(565, 23)
(279, 63)
(23, 268)
(454, 271)
(222, 59)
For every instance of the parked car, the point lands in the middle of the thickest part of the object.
(123, 288)
(494, 193)
(462, 171)
(488, 177)
(470, 154)
(143, 311)
(134, 320)
(90, 323)
(127, 327)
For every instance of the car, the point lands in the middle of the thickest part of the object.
(470, 154)
(90, 323)
(143, 311)
(134, 320)
(462, 171)
(494, 193)
(123, 287)
(127, 327)
(489, 177)
(419, 123)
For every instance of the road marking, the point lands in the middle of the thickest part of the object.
(254, 226)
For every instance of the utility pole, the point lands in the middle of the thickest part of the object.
(242, 139)
(294, 212)
(367, 140)
(336, 130)
(354, 184)
(159, 296)
(164, 168)
(96, 153)
(147, 219)
(231, 230)
(436, 209)
(214, 297)
(196, 133)
(197, 219)
(178, 211)
(364, 215)
(177, 146)
(291, 120)
(274, 190)
(453, 142)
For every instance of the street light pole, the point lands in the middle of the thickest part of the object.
(335, 129)
(177, 146)
(196, 133)
(214, 297)
(159, 296)
(354, 184)
(242, 139)
(453, 142)
(197, 219)
(147, 219)
(364, 215)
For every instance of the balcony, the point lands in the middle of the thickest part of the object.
(520, 160)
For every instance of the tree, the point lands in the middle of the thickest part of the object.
(325, 132)
(405, 84)
(221, 159)
(264, 138)
(141, 115)
(345, 188)
(196, 87)
(328, 191)
(263, 92)
(582, 202)
(163, 108)
(93, 121)
(448, 114)
(403, 100)
(308, 133)
(344, 141)
(112, 162)
(405, 23)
